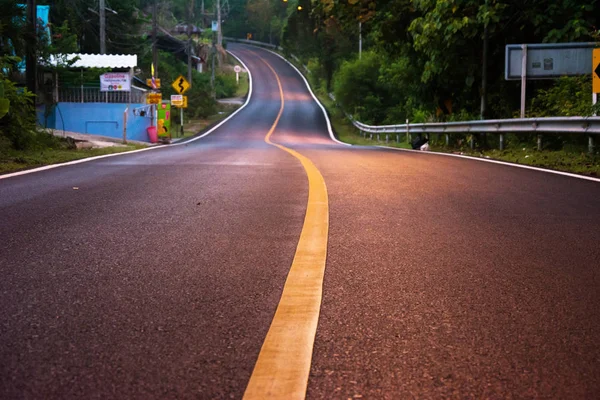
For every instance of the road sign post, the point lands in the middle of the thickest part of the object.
(596, 71)
(181, 85)
(153, 98)
(179, 101)
(176, 100)
(237, 70)
(595, 90)
(546, 61)
(156, 84)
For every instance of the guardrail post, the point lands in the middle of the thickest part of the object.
(472, 141)
(447, 140)
(370, 136)
(378, 137)
(590, 144)
(407, 132)
(387, 138)
(539, 142)
(397, 138)
(502, 141)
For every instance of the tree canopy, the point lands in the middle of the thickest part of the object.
(420, 57)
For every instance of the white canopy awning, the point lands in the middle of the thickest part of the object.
(101, 60)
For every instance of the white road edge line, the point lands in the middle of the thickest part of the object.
(83, 160)
(550, 171)
(331, 135)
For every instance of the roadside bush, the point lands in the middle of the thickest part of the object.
(19, 124)
(317, 76)
(200, 101)
(358, 89)
(570, 96)
(225, 86)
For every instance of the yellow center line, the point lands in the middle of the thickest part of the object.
(283, 365)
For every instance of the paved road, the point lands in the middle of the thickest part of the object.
(160, 275)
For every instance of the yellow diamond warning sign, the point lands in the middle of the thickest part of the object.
(181, 85)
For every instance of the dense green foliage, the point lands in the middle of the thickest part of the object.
(422, 59)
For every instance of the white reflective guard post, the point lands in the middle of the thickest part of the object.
(237, 70)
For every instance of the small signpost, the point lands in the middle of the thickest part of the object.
(595, 88)
(156, 82)
(181, 85)
(553, 60)
(176, 100)
(596, 74)
(237, 70)
(153, 98)
(546, 61)
(115, 82)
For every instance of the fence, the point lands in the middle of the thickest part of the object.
(94, 95)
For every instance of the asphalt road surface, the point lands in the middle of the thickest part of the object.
(156, 275)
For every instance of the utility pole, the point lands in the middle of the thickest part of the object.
(213, 52)
(102, 14)
(189, 45)
(154, 56)
(31, 59)
(360, 40)
(484, 70)
(219, 34)
(202, 13)
(154, 39)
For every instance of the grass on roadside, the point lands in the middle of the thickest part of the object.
(561, 160)
(243, 86)
(14, 160)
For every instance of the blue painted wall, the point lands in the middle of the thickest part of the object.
(43, 121)
(104, 119)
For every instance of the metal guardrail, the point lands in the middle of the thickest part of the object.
(253, 42)
(577, 125)
(584, 125)
(589, 126)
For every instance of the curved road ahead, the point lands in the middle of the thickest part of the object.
(160, 276)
